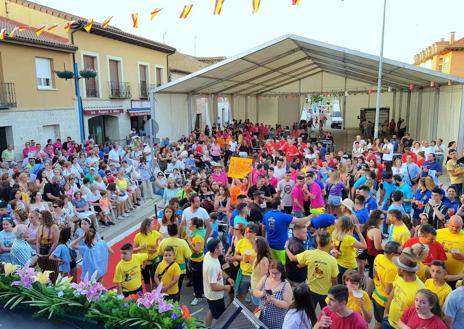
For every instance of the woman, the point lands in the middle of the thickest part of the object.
(82, 208)
(7, 237)
(335, 189)
(170, 191)
(33, 228)
(145, 177)
(17, 200)
(345, 245)
(260, 265)
(276, 296)
(196, 242)
(169, 218)
(38, 203)
(373, 234)
(206, 196)
(301, 313)
(425, 313)
(222, 203)
(47, 240)
(421, 198)
(147, 241)
(399, 169)
(358, 300)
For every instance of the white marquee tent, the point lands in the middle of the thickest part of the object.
(270, 82)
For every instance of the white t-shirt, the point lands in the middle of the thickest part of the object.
(388, 156)
(296, 320)
(187, 215)
(279, 172)
(233, 146)
(114, 156)
(212, 273)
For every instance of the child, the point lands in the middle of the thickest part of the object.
(358, 299)
(437, 283)
(105, 206)
(168, 272)
(62, 253)
(128, 274)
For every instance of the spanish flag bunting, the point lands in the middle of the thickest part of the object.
(218, 7)
(256, 4)
(295, 2)
(68, 26)
(22, 28)
(40, 30)
(88, 25)
(2, 34)
(135, 20)
(106, 22)
(13, 32)
(52, 28)
(155, 13)
(186, 11)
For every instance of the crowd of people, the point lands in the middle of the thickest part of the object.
(310, 238)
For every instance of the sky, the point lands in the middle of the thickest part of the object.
(411, 25)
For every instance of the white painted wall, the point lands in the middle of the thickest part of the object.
(449, 118)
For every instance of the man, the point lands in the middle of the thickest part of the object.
(336, 315)
(8, 154)
(435, 210)
(371, 202)
(261, 186)
(427, 236)
(397, 231)
(405, 287)
(387, 151)
(397, 202)
(52, 190)
(431, 167)
(360, 210)
(322, 268)
(452, 239)
(257, 208)
(455, 171)
(316, 198)
(387, 187)
(297, 197)
(275, 228)
(279, 169)
(296, 273)
(454, 316)
(407, 193)
(385, 272)
(284, 190)
(213, 281)
(195, 211)
(113, 156)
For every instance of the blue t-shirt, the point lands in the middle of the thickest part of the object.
(397, 207)
(388, 188)
(453, 307)
(94, 258)
(62, 252)
(424, 198)
(362, 215)
(371, 204)
(323, 221)
(277, 224)
(408, 194)
(232, 217)
(360, 182)
(454, 205)
(431, 166)
(6, 239)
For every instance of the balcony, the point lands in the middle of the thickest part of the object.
(7, 95)
(120, 89)
(143, 87)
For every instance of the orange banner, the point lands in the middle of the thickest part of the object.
(88, 25)
(106, 22)
(218, 7)
(186, 11)
(155, 13)
(68, 26)
(256, 4)
(135, 20)
(239, 167)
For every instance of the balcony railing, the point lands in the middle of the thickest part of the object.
(7, 95)
(143, 90)
(120, 89)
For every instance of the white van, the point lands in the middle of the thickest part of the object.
(336, 116)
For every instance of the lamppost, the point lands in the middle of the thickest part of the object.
(379, 79)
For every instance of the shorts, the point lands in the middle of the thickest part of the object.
(378, 311)
(335, 200)
(106, 211)
(216, 307)
(245, 284)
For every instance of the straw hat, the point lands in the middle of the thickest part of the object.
(406, 262)
(349, 204)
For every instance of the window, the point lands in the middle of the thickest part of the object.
(43, 72)
(91, 86)
(143, 72)
(159, 76)
(114, 71)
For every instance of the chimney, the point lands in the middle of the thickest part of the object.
(452, 36)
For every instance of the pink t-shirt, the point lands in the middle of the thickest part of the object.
(297, 193)
(412, 320)
(273, 181)
(352, 321)
(221, 179)
(317, 202)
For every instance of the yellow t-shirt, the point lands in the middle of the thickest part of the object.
(243, 246)
(452, 241)
(400, 234)
(442, 292)
(168, 276)
(347, 255)
(151, 240)
(322, 267)
(422, 272)
(198, 237)
(128, 274)
(353, 305)
(452, 165)
(404, 295)
(181, 249)
(385, 272)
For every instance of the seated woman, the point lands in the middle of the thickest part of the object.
(83, 208)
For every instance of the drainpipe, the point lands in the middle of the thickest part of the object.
(80, 109)
(167, 67)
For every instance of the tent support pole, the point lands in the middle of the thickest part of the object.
(419, 113)
(189, 112)
(344, 104)
(408, 111)
(257, 109)
(231, 107)
(246, 107)
(400, 105)
(436, 103)
(394, 105)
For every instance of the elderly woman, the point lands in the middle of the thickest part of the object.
(82, 208)
(21, 252)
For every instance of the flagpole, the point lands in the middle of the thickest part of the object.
(379, 80)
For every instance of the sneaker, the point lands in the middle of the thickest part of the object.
(195, 301)
(125, 215)
(110, 223)
(120, 218)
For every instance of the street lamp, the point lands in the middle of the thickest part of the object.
(379, 79)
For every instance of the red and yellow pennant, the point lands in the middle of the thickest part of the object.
(13, 32)
(88, 25)
(40, 30)
(135, 20)
(218, 7)
(155, 13)
(186, 11)
(106, 22)
(295, 2)
(2, 34)
(53, 27)
(255, 4)
(68, 26)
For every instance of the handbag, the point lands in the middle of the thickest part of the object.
(335, 252)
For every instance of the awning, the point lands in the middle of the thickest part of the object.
(102, 110)
(139, 108)
(139, 112)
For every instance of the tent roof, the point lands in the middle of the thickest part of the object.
(290, 58)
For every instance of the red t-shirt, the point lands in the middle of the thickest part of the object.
(412, 320)
(352, 321)
(290, 151)
(404, 157)
(436, 251)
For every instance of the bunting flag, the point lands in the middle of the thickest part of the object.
(68, 26)
(53, 27)
(155, 13)
(40, 30)
(218, 7)
(106, 22)
(295, 2)
(88, 25)
(135, 20)
(2, 34)
(15, 30)
(256, 4)
(186, 11)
